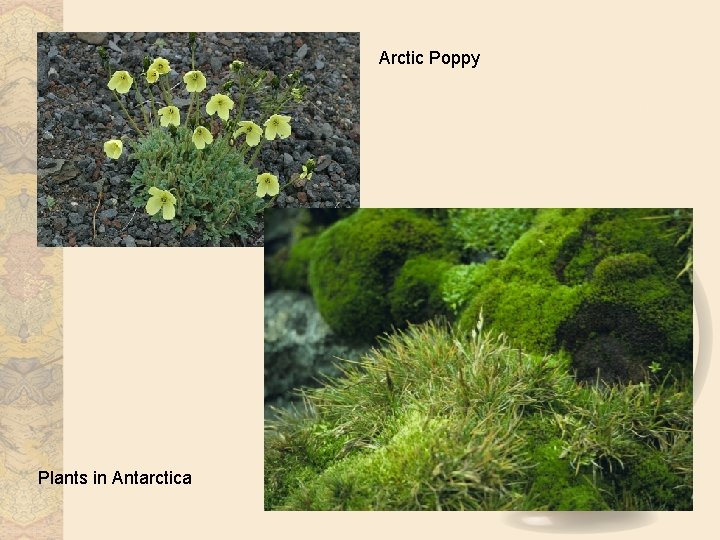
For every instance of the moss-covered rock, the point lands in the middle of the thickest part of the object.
(601, 283)
(355, 263)
(632, 315)
(416, 295)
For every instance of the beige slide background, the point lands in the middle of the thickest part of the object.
(609, 103)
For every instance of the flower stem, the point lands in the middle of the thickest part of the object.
(139, 98)
(190, 110)
(127, 114)
(152, 102)
(255, 153)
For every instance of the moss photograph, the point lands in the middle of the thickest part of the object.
(478, 359)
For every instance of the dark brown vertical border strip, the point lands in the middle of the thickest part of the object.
(31, 390)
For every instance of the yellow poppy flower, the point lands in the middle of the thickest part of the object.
(152, 75)
(113, 148)
(201, 137)
(161, 200)
(278, 125)
(267, 185)
(121, 82)
(252, 132)
(220, 104)
(161, 65)
(195, 81)
(306, 173)
(169, 116)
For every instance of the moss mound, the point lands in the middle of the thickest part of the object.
(600, 283)
(453, 422)
(355, 263)
(416, 295)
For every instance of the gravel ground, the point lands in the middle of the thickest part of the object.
(84, 197)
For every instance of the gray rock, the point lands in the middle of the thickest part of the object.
(299, 345)
(93, 38)
(130, 241)
(302, 51)
(288, 159)
(60, 171)
(110, 213)
(75, 218)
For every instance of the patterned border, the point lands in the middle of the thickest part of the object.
(31, 391)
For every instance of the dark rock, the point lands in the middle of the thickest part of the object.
(75, 218)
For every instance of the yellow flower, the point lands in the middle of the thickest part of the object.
(113, 148)
(252, 132)
(195, 81)
(169, 115)
(220, 104)
(278, 125)
(121, 81)
(201, 137)
(306, 173)
(161, 199)
(161, 65)
(267, 185)
(152, 75)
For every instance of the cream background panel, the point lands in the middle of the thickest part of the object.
(570, 106)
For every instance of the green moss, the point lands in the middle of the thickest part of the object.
(589, 280)
(490, 231)
(633, 314)
(416, 295)
(355, 263)
(436, 420)
(555, 485)
(651, 484)
(289, 267)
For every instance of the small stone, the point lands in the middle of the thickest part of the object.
(93, 38)
(130, 241)
(216, 64)
(302, 197)
(53, 74)
(110, 213)
(59, 224)
(116, 180)
(53, 52)
(319, 64)
(288, 159)
(75, 218)
(302, 51)
(143, 243)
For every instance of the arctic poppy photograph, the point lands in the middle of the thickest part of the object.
(186, 139)
(479, 359)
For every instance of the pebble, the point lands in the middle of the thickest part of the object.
(130, 241)
(110, 213)
(75, 218)
(302, 51)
